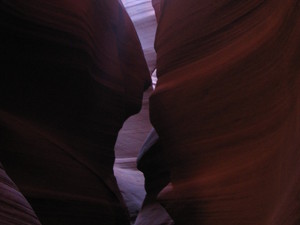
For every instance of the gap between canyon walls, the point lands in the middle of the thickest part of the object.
(135, 130)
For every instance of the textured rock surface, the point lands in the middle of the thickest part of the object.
(226, 108)
(72, 73)
(14, 208)
(142, 15)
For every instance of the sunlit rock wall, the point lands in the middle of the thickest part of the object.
(226, 109)
(71, 73)
(142, 15)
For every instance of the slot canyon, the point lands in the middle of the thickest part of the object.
(150, 112)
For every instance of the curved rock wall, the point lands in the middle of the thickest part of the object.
(142, 15)
(156, 7)
(226, 109)
(73, 72)
(14, 207)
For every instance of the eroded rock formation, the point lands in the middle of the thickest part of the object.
(226, 109)
(72, 73)
(142, 15)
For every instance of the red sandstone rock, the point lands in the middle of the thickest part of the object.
(156, 6)
(227, 109)
(73, 72)
(151, 162)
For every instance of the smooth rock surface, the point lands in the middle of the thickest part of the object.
(226, 108)
(14, 208)
(151, 161)
(72, 73)
(142, 15)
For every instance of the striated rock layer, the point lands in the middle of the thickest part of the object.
(227, 108)
(14, 207)
(72, 73)
(142, 15)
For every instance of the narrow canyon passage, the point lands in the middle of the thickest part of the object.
(76, 143)
(136, 129)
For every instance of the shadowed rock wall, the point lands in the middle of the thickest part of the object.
(72, 73)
